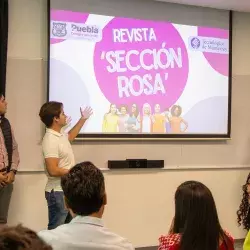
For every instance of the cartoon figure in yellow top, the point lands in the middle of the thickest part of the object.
(110, 120)
(176, 120)
(159, 120)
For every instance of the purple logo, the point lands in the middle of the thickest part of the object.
(195, 43)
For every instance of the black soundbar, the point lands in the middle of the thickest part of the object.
(136, 163)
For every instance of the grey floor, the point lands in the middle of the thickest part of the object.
(238, 246)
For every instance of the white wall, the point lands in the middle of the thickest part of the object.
(140, 203)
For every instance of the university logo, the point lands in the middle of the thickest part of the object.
(59, 29)
(195, 43)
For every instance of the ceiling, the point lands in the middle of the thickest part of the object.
(237, 5)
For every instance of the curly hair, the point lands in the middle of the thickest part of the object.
(243, 213)
(174, 108)
(21, 238)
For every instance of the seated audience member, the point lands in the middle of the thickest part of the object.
(85, 198)
(195, 225)
(244, 210)
(21, 238)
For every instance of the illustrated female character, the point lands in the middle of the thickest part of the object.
(110, 120)
(176, 120)
(159, 120)
(132, 124)
(123, 118)
(146, 120)
(244, 210)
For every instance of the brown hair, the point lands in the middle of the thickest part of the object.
(123, 106)
(84, 188)
(21, 238)
(49, 111)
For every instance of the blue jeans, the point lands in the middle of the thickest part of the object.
(58, 214)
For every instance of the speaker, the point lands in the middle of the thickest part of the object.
(135, 163)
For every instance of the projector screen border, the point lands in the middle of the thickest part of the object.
(156, 137)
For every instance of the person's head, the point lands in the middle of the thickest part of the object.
(84, 190)
(157, 108)
(196, 218)
(52, 114)
(243, 212)
(21, 238)
(113, 109)
(3, 104)
(134, 110)
(176, 110)
(146, 109)
(123, 109)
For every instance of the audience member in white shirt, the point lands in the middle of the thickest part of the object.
(85, 198)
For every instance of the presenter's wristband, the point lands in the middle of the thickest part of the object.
(14, 171)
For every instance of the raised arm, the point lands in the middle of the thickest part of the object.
(85, 114)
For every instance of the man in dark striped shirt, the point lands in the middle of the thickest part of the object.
(9, 161)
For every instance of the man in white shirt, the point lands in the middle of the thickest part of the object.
(85, 197)
(59, 157)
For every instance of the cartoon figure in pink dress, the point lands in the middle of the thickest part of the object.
(123, 118)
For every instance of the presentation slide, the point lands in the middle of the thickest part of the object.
(139, 76)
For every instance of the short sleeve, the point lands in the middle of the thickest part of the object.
(50, 148)
(169, 242)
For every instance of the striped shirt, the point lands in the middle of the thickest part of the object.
(4, 155)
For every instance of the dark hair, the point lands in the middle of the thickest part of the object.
(136, 111)
(21, 238)
(49, 111)
(174, 108)
(84, 188)
(196, 218)
(243, 213)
